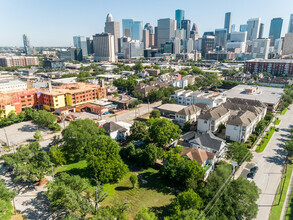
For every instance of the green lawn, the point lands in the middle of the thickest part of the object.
(282, 112)
(155, 194)
(277, 122)
(260, 148)
(278, 206)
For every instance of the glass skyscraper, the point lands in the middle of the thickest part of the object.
(221, 38)
(275, 29)
(243, 27)
(227, 24)
(185, 24)
(179, 16)
(290, 29)
(132, 29)
(80, 42)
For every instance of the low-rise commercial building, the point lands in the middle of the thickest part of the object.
(8, 61)
(12, 86)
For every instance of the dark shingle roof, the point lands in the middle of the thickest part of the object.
(189, 110)
(111, 127)
(214, 113)
(209, 140)
(243, 118)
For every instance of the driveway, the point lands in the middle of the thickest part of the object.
(270, 163)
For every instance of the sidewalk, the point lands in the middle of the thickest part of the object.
(285, 205)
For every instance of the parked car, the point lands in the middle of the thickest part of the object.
(277, 129)
(76, 117)
(250, 175)
(69, 118)
(254, 169)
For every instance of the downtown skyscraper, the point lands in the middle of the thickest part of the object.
(166, 28)
(275, 29)
(290, 27)
(112, 27)
(253, 26)
(179, 17)
(227, 24)
(132, 29)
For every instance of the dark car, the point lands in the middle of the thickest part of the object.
(251, 175)
(254, 169)
(277, 129)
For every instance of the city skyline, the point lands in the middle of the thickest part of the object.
(56, 25)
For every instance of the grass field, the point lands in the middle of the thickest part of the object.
(282, 112)
(154, 194)
(260, 148)
(280, 198)
(277, 122)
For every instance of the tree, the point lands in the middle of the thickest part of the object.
(133, 180)
(289, 146)
(38, 135)
(6, 197)
(155, 95)
(139, 131)
(100, 195)
(185, 201)
(155, 114)
(78, 137)
(30, 162)
(162, 131)
(145, 214)
(239, 152)
(187, 126)
(150, 155)
(138, 67)
(189, 214)
(269, 116)
(104, 161)
(260, 127)
(70, 194)
(56, 155)
(197, 71)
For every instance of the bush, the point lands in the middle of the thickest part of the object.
(133, 180)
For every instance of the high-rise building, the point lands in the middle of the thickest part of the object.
(121, 43)
(227, 24)
(253, 26)
(288, 44)
(180, 33)
(133, 49)
(149, 27)
(233, 28)
(188, 45)
(156, 38)
(194, 32)
(166, 28)
(112, 27)
(89, 43)
(127, 27)
(104, 49)
(176, 45)
(243, 27)
(136, 33)
(275, 29)
(80, 42)
(179, 16)
(146, 38)
(185, 24)
(238, 36)
(260, 48)
(261, 30)
(27, 45)
(76, 53)
(221, 38)
(132, 29)
(278, 46)
(290, 28)
(207, 44)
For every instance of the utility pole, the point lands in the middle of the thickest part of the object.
(148, 105)
(7, 141)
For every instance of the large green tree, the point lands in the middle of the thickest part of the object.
(104, 161)
(139, 131)
(6, 196)
(239, 152)
(162, 131)
(78, 137)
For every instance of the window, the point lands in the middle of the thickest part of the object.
(205, 121)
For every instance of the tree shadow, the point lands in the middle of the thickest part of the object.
(162, 211)
(123, 188)
(278, 160)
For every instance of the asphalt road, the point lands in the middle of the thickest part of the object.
(270, 163)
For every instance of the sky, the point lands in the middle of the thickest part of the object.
(55, 22)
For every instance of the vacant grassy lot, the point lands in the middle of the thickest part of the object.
(280, 198)
(260, 148)
(153, 193)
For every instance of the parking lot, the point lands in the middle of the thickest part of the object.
(247, 168)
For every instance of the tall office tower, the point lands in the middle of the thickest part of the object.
(197, 44)
(152, 40)
(176, 45)
(233, 28)
(26, 41)
(243, 27)
(179, 16)
(194, 32)
(149, 27)
(260, 48)
(227, 24)
(290, 28)
(137, 28)
(237, 42)
(146, 38)
(188, 45)
(89, 44)
(238, 36)
(185, 24)
(112, 27)
(253, 26)
(278, 46)
(76, 53)
(166, 28)
(275, 29)
(133, 49)
(156, 38)
(127, 27)
(207, 44)
(80, 42)
(261, 30)
(221, 38)
(180, 33)
(121, 43)
(288, 44)
(104, 48)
